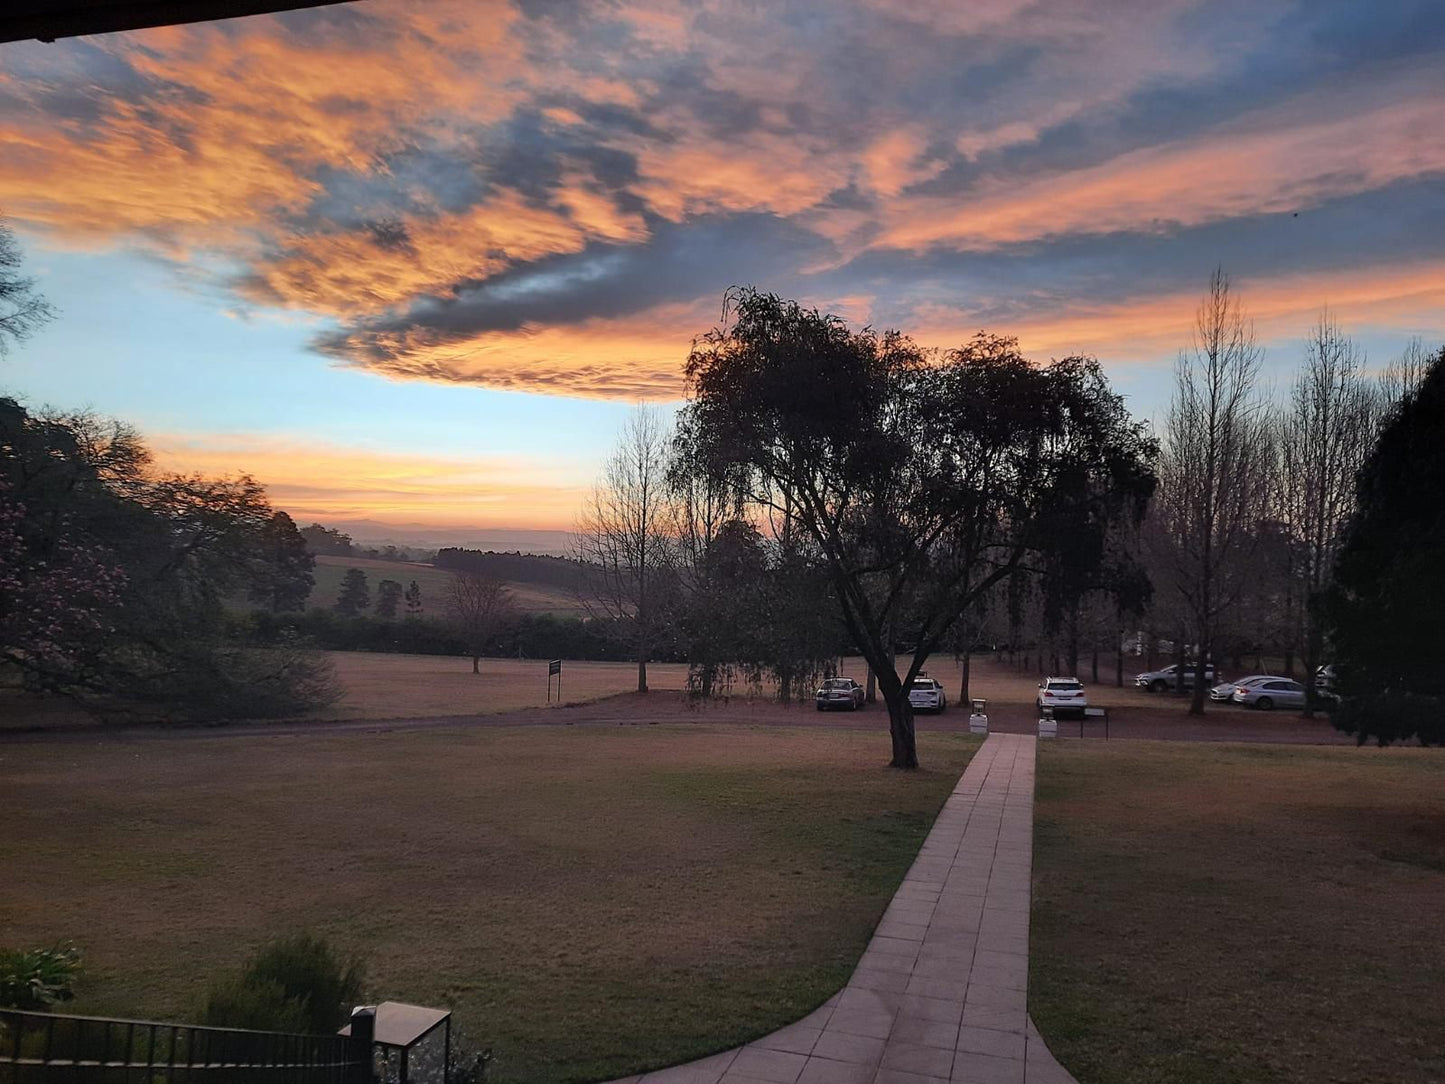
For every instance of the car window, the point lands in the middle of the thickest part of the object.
(1066, 686)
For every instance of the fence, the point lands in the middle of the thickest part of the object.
(40, 1047)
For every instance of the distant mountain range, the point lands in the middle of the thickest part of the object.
(370, 532)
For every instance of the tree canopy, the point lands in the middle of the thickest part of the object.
(1384, 609)
(920, 479)
(113, 576)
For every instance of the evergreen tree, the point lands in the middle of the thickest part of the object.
(413, 599)
(388, 597)
(1383, 611)
(284, 579)
(355, 595)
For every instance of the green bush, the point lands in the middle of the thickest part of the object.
(36, 979)
(297, 983)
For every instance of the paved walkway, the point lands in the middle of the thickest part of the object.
(940, 995)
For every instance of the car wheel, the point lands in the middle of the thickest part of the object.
(820, 707)
(1158, 685)
(1264, 703)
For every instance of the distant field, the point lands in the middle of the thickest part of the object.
(394, 686)
(434, 584)
(592, 901)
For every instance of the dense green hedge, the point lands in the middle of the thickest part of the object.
(530, 636)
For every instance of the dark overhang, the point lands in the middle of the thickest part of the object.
(51, 19)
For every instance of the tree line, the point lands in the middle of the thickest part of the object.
(824, 487)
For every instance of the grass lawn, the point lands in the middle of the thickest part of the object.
(1240, 913)
(592, 901)
(382, 686)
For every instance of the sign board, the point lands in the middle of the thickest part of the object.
(554, 667)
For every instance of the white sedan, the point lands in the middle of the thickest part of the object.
(1271, 694)
(1062, 695)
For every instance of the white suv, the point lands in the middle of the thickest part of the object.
(925, 694)
(1062, 695)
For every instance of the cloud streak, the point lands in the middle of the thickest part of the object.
(553, 198)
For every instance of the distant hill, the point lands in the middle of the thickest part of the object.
(530, 595)
(420, 536)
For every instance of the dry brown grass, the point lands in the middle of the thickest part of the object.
(591, 900)
(1240, 913)
(378, 686)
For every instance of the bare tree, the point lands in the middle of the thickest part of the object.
(1404, 374)
(624, 537)
(1214, 476)
(1323, 441)
(477, 604)
(22, 310)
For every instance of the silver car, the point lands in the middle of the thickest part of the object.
(843, 693)
(1225, 691)
(1271, 694)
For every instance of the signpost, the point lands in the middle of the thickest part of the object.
(554, 667)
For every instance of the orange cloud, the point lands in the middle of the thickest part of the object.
(347, 274)
(635, 357)
(327, 482)
(1146, 328)
(238, 119)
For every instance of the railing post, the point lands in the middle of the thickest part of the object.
(363, 1031)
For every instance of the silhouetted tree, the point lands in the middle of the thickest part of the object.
(1323, 441)
(327, 541)
(284, 576)
(1214, 471)
(623, 539)
(1383, 612)
(355, 595)
(22, 310)
(477, 604)
(413, 599)
(918, 480)
(113, 578)
(388, 597)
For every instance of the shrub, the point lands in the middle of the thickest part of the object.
(297, 983)
(35, 979)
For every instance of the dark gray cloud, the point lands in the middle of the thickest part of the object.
(677, 263)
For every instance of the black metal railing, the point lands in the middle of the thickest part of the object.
(42, 1047)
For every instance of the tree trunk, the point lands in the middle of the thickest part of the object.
(642, 675)
(476, 664)
(1119, 662)
(1179, 665)
(963, 682)
(900, 724)
(870, 695)
(1196, 705)
(1311, 662)
(1095, 664)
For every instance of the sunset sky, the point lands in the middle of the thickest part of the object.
(412, 262)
